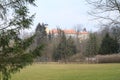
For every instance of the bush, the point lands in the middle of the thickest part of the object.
(115, 58)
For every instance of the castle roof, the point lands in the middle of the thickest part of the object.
(68, 31)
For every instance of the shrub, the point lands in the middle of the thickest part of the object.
(115, 58)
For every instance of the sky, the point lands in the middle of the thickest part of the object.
(65, 14)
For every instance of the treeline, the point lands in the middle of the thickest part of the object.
(56, 47)
(104, 42)
(63, 48)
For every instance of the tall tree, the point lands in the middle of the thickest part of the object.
(40, 39)
(14, 51)
(91, 46)
(41, 35)
(108, 45)
(106, 11)
(71, 47)
(65, 48)
(115, 31)
(62, 46)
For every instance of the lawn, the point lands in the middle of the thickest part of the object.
(69, 72)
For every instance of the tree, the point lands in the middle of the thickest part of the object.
(14, 51)
(56, 56)
(78, 29)
(91, 46)
(62, 46)
(41, 35)
(108, 45)
(115, 31)
(108, 13)
(107, 10)
(40, 39)
(71, 47)
(65, 48)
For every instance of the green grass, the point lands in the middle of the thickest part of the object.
(69, 72)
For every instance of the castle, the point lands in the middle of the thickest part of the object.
(82, 35)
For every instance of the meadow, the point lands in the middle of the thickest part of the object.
(54, 71)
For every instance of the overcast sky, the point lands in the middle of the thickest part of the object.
(63, 13)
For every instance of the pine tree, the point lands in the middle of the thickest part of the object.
(108, 45)
(91, 47)
(59, 49)
(65, 48)
(62, 46)
(71, 47)
(14, 51)
(41, 35)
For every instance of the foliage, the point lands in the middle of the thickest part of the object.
(14, 51)
(65, 48)
(41, 35)
(115, 31)
(41, 40)
(108, 45)
(91, 46)
(107, 12)
(61, 48)
(71, 46)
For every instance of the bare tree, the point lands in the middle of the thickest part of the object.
(107, 11)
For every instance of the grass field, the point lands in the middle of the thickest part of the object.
(69, 72)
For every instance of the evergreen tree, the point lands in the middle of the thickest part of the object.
(115, 31)
(65, 48)
(56, 56)
(62, 46)
(40, 40)
(108, 45)
(71, 47)
(41, 35)
(91, 47)
(59, 49)
(14, 51)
